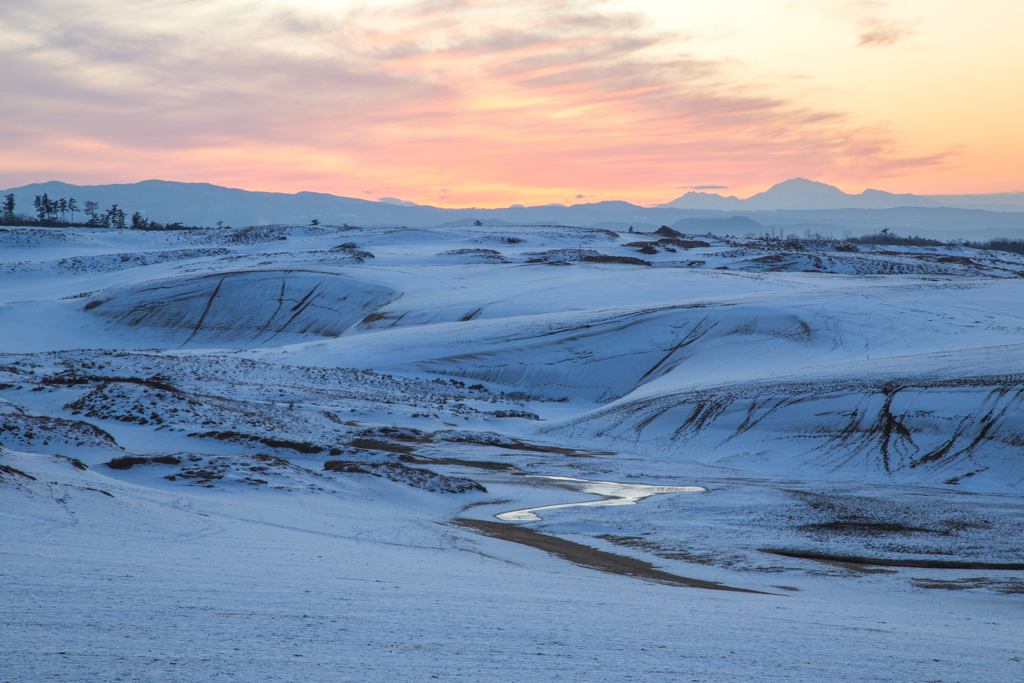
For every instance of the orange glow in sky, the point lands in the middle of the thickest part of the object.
(485, 103)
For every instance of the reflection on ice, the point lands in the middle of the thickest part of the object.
(616, 494)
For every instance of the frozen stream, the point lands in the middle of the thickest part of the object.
(613, 492)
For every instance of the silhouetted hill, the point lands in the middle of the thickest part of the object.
(206, 204)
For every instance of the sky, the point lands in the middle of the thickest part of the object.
(486, 103)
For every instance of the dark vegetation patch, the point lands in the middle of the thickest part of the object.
(133, 400)
(127, 462)
(200, 407)
(666, 242)
(515, 413)
(75, 462)
(381, 439)
(300, 446)
(585, 556)
(201, 475)
(39, 431)
(959, 260)
(478, 464)
(379, 445)
(489, 254)
(346, 467)
(684, 244)
(625, 260)
(499, 441)
(412, 476)
(252, 470)
(873, 518)
(1004, 586)
(857, 526)
(892, 562)
(156, 383)
(666, 231)
(303, 447)
(406, 434)
(352, 250)
(891, 239)
(562, 256)
(7, 469)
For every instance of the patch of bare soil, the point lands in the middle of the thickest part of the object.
(1006, 587)
(585, 556)
(888, 562)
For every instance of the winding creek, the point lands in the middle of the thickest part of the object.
(613, 493)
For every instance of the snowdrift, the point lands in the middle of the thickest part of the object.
(932, 421)
(243, 309)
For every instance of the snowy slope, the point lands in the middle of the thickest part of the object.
(521, 452)
(244, 308)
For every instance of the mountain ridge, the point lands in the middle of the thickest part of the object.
(804, 194)
(207, 204)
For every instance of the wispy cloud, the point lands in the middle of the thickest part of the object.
(702, 187)
(876, 23)
(498, 101)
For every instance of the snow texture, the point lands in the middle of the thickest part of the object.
(507, 452)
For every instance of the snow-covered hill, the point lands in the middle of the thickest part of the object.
(368, 443)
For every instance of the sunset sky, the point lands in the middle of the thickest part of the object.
(481, 103)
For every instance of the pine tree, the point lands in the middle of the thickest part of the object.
(138, 222)
(72, 207)
(110, 216)
(62, 206)
(90, 210)
(8, 208)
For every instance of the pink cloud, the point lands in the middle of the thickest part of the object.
(498, 102)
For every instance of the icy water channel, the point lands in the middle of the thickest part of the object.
(614, 494)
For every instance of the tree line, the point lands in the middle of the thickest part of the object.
(55, 212)
(885, 237)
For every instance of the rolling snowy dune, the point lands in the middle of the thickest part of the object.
(243, 309)
(516, 452)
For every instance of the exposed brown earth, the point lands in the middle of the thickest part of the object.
(585, 556)
(886, 562)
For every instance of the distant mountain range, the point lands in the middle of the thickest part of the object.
(793, 207)
(803, 194)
